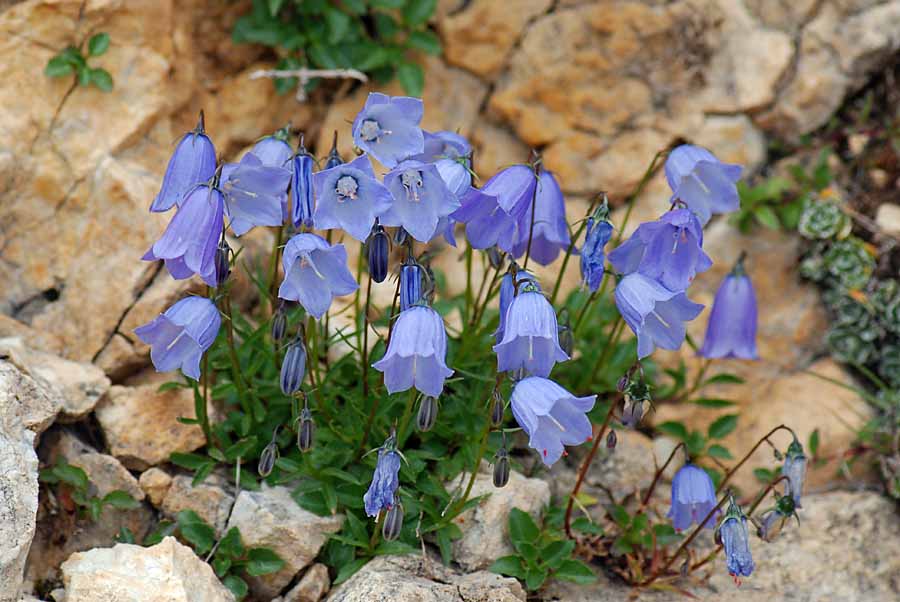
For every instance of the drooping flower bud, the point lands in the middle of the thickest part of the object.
(566, 337)
(293, 369)
(377, 247)
(268, 458)
(302, 187)
(192, 163)
(428, 411)
(306, 431)
(622, 383)
(795, 470)
(223, 261)
(400, 236)
(410, 286)
(495, 257)
(501, 467)
(611, 439)
(279, 323)
(498, 407)
(393, 521)
(334, 157)
(732, 533)
(632, 414)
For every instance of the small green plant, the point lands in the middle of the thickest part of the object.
(543, 552)
(74, 482)
(376, 37)
(72, 61)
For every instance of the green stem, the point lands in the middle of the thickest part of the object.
(574, 239)
(407, 416)
(273, 269)
(365, 342)
(582, 472)
(630, 201)
(731, 471)
(469, 300)
(611, 342)
(236, 376)
(584, 308)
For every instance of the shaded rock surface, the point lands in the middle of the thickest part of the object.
(168, 572)
(211, 500)
(414, 579)
(312, 586)
(270, 518)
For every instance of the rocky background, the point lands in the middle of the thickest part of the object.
(598, 86)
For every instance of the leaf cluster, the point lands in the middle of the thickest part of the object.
(72, 61)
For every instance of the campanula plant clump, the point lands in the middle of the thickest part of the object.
(317, 374)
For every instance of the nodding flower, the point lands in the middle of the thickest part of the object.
(192, 163)
(180, 336)
(387, 127)
(703, 183)
(385, 479)
(421, 199)
(693, 497)
(731, 330)
(733, 534)
(530, 336)
(314, 273)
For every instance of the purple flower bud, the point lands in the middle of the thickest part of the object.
(302, 195)
(795, 470)
(267, 459)
(279, 323)
(349, 197)
(702, 182)
(599, 232)
(393, 522)
(334, 157)
(410, 286)
(254, 193)
(693, 497)
(731, 330)
(495, 257)
(293, 368)
(632, 413)
(551, 416)
(421, 199)
(388, 128)
(667, 250)
(531, 335)
(498, 407)
(507, 293)
(551, 232)
(734, 536)
(223, 261)
(191, 239)
(654, 313)
(500, 474)
(192, 163)
(377, 253)
(416, 353)
(314, 273)
(306, 431)
(385, 480)
(611, 439)
(427, 414)
(180, 335)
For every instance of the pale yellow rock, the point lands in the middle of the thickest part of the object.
(155, 483)
(312, 587)
(211, 500)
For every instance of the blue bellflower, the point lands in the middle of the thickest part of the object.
(655, 314)
(667, 250)
(302, 194)
(192, 163)
(493, 215)
(551, 416)
(702, 182)
(795, 470)
(189, 243)
(508, 293)
(254, 193)
(385, 480)
(531, 335)
(274, 151)
(388, 128)
(416, 353)
(450, 153)
(314, 273)
(421, 199)
(349, 197)
(180, 336)
(736, 539)
(593, 255)
(551, 232)
(410, 286)
(731, 331)
(693, 497)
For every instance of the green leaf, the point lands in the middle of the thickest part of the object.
(424, 40)
(356, 7)
(534, 578)
(527, 551)
(814, 442)
(575, 571)
(718, 451)
(84, 75)
(236, 585)
(120, 500)
(274, 6)
(231, 545)
(189, 461)
(665, 534)
(620, 515)
(387, 4)
(722, 426)
(221, 565)
(58, 67)
(412, 78)
(708, 402)
(417, 12)
(584, 524)
(674, 429)
(724, 378)
(95, 508)
(241, 449)
(162, 530)
(511, 566)
(98, 44)
(262, 561)
(346, 571)
(766, 216)
(71, 475)
(338, 24)
(522, 527)
(763, 475)
(195, 530)
(695, 443)
(555, 552)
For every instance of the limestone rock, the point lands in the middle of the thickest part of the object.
(168, 572)
(140, 422)
(31, 402)
(155, 483)
(18, 482)
(412, 579)
(270, 518)
(105, 472)
(312, 587)
(79, 385)
(210, 499)
(486, 527)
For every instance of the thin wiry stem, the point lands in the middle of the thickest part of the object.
(582, 472)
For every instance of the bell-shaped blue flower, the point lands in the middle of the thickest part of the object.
(416, 353)
(314, 273)
(388, 128)
(192, 163)
(451, 154)
(655, 314)
(693, 497)
(593, 254)
(668, 250)
(551, 232)
(254, 193)
(421, 199)
(349, 197)
(550, 416)
(385, 480)
(274, 151)
(530, 336)
(736, 539)
(702, 182)
(189, 243)
(508, 293)
(731, 331)
(487, 223)
(302, 193)
(179, 337)
(795, 470)
(410, 285)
